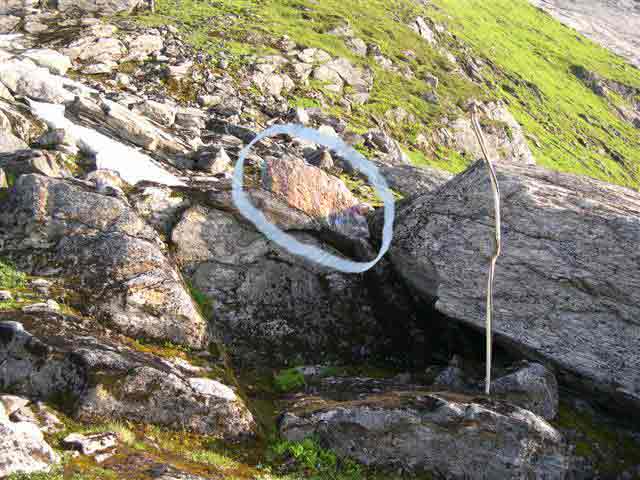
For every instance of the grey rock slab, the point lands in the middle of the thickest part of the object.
(456, 436)
(61, 356)
(409, 180)
(52, 60)
(567, 285)
(119, 121)
(269, 304)
(115, 257)
(22, 77)
(533, 387)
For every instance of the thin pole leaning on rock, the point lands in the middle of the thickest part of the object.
(496, 250)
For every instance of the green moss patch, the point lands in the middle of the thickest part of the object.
(289, 380)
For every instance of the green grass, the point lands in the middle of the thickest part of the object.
(363, 191)
(245, 28)
(289, 380)
(201, 299)
(316, 462)
(533, 56)
(10, 277)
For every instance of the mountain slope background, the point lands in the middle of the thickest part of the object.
(612, 23)
(541, 69)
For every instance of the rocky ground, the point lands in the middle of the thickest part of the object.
(147, 330)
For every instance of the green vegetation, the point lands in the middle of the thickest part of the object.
(15, 281)
(243, 29)
(363, 191)
(316, 462)
(289, 380)
(167, 349)
(58, 473)
(10, 277)
(534, 59)
(530, 58)
(613, 453)
(201, 299)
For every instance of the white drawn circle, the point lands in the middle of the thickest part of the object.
(311, 252)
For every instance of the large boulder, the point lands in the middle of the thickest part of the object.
(567, 286)
(105, 251)
(306, 187)
(100, 377)
(503, 136)
(453, 435)
(23, 448)
(270, 305)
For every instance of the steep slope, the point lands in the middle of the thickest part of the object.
(504, 49)
(612, 23)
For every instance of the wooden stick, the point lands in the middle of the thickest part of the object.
(496, 251)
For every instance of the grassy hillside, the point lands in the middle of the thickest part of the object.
(528, 56)
(533, 55)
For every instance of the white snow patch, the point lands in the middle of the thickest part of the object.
(132, 165)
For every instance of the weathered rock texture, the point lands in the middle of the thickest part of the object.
(102, 7)
(409, 180)
(270, 305)
(568, 280)
(102, 379)
(23, 448)
(503, 136)
(307, 188)
(533, 387)
(453, 435)
(106, 251)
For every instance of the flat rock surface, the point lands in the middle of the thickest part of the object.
(567, 283)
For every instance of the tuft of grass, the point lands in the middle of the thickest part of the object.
(289, 380)
(10, 277)
(210, 457)
(363, 191)
(201, 299)
(316, 462)
(166, 349)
